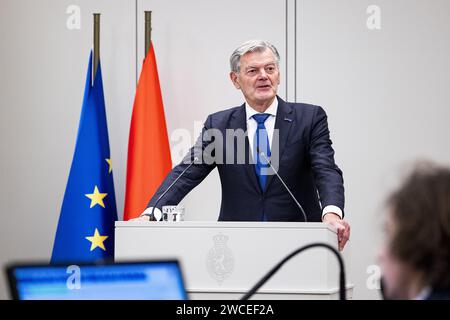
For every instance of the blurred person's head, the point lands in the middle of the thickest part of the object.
(416, 255)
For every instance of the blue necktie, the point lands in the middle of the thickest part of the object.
(261, 145)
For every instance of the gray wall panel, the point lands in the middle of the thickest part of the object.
(387, 95)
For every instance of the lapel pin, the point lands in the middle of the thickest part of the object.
(287, 119)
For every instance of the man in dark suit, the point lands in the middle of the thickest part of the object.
(294, 136)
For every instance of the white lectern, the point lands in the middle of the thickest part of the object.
(223, 260)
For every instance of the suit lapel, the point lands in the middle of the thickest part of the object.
(239, 121)
(283, 123)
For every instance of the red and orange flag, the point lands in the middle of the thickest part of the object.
(149, 159)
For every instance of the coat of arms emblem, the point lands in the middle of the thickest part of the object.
(220, 260)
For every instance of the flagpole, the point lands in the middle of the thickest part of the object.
(148, 30)
(96, 42)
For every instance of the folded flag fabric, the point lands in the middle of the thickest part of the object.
(149, 159)
(85, 229)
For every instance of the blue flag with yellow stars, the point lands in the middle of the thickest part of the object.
(86, 224)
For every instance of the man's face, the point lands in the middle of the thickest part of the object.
(258, 78)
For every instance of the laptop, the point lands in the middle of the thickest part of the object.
(144, 280)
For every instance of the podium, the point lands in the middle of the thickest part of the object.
(223, 260)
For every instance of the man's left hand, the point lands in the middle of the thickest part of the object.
(342, 227)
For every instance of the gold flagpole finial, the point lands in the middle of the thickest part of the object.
(96, 43)
(148, 30)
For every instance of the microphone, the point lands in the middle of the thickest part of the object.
(284, 184)
(260, 283)
(152, 215)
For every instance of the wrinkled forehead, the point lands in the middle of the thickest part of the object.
(258, 59)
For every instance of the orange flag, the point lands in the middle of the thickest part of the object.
(149, 158)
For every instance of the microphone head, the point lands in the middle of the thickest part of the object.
(262, 154)
(258, 150)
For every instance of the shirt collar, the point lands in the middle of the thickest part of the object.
(272, 109)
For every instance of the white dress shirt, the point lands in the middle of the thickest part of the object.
(252, 125)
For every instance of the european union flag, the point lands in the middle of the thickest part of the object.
(86, 223)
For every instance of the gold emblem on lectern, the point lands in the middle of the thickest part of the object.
(220, 260)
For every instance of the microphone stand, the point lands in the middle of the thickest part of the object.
(152, 215)
(260, 283)
(285, 186)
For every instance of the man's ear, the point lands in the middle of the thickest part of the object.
(234, 79)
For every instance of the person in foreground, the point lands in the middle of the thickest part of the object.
(294, 136)
(415, 260)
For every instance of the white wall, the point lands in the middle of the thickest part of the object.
(387, 96)
(385, 91)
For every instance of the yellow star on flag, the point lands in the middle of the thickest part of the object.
(97, 240)
(96, 197)
(110, 165)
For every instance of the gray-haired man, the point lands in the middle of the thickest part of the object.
(295, 133)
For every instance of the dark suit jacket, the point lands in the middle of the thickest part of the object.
(306, 163)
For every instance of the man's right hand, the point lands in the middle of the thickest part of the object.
(156, 214)
(141, 218)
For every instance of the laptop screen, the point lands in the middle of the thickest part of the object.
(160, 280)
